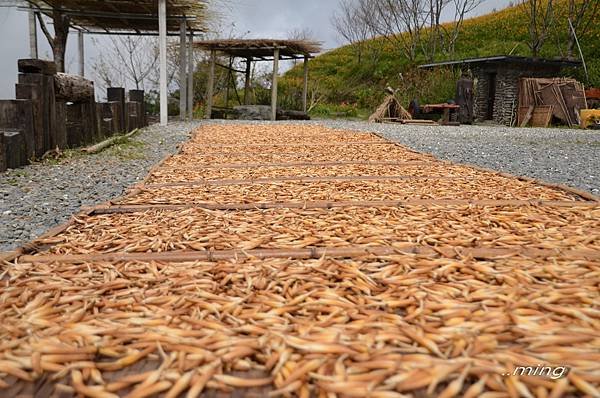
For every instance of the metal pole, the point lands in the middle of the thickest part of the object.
(587, 77)
(81, 54)
(274, 85)
(211, 82)
(305, 86)
(182, 71)
(33, 47)
(162, 46)
(190, 90)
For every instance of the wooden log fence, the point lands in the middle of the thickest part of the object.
(56, 110)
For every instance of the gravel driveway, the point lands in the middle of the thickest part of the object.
(565, 156)
(38, 197)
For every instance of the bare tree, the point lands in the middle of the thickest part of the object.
(443, 36)
(461, 9)
(436, 35)
(131, 61)
(399, 21)
(128, 60)
(540, 15)
(58, 42)
(301, 34)
(351, 21)
(582, 14)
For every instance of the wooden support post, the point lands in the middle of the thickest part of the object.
(190, 89)
(305, 85)
(274, 85)
(247, 81)
(228, 81)
(117, 95)
(182, 71)
(2, 153)
(211, 82)
(33, 47)
(162, 46)
(81, 54)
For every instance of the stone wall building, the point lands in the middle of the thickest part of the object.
(496, 82)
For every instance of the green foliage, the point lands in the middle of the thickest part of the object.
(337, 111)
(338, 78)
(127, 148)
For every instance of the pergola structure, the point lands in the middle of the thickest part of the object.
(134, 17)
(252, 50)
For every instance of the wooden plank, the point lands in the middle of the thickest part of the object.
(60, 129)
(308, 144)
(300, 164)
(221, 183)
(54, 127)
(17, 116)
(117, 95)
(527, 116)
(15, 150)
(2, 153)
(112, 208)
(542, 114)
(33, 92)
(34, 65)
(316, 253)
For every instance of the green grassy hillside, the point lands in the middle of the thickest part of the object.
(344, 85)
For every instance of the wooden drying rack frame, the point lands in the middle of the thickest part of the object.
(24, 253)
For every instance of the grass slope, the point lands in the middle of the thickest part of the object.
(352, 88)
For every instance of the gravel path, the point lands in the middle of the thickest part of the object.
(40, 196)
(565, 156)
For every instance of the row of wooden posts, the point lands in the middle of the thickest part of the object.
(58, 111)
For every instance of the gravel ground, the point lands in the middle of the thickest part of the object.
(38, 197)
(565, 156)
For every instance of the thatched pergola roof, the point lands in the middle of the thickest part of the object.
(261, 49)
(126, 16)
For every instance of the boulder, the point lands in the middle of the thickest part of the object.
(252, 112)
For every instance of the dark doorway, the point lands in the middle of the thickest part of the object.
(491, 96)
(464, 99)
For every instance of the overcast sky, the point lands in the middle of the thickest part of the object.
(247, 18)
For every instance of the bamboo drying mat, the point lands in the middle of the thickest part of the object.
(308, 262)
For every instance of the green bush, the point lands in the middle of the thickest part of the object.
(340, 78)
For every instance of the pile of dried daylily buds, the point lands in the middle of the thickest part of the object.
(294, 275)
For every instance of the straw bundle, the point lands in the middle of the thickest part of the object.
(390, 109)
